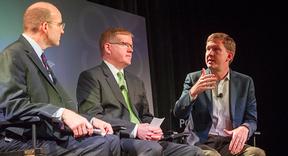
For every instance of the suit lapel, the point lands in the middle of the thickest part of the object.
(35, 59)
(233, 91)
(208, 94)
(116, 90)
(131, 91)
(113, 84)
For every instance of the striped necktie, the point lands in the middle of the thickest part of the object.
(50, 73)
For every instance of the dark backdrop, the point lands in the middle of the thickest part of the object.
(177, 30)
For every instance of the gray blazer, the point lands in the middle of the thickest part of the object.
(242, 106)
(99, 95)
(26, 90)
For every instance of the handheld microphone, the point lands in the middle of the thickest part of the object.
(122, 87)
(220, 95)
(97, 131)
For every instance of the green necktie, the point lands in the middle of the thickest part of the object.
(123, 88)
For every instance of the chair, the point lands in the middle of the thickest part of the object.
(253, 139)
(117, 129)
(176, 137)
(256, 133)
(24, 122)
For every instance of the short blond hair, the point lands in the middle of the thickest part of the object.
(110, 34)
(227, 41)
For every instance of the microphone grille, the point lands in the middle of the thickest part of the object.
(220, 95)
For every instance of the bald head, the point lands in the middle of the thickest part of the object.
(37, 13)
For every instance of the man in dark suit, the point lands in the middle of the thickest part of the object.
(29, 88)
(220, 103)
(104, 92)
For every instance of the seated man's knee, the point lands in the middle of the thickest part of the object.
(114, 143)
(141, 147)
(156, 149)
(198, 151)
(211, 153)
(149, 148)
(254, 151)
(113, 139)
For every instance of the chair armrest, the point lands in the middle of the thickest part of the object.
(255, 134)
(26, 121)
(118, 128)
(172, 136)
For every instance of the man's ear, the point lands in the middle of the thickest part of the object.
(107, 48)
(229, 56)
(43, 27)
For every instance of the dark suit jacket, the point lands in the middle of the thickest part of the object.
(242, 106)
(99, 95)
(26, 89)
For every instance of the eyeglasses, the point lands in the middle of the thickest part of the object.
(127, 45)
(61, 24)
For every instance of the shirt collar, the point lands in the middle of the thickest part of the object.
(113, 69)
(34, 45)
(227, 77)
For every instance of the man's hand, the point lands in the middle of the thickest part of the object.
(79, 125)
(157, 133)
(102, 125)
(205, 82)
(239, 138)
(147, 132)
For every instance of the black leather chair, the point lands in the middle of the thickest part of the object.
(30, 121)
(176, 137)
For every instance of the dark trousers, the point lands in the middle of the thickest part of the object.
(175, 149)
(134, 147)
(88, 146)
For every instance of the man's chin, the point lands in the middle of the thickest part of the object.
(128, 63)
(57, 43)
(208, 65)
(54, 45)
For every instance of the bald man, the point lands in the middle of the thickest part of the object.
(28, 87)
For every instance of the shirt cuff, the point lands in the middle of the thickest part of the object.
(58, 114)
(191, 98)
(246, 125)
(92, 119)
(133, 134)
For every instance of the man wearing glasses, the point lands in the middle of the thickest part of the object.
(109, 92)
(29, 88)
